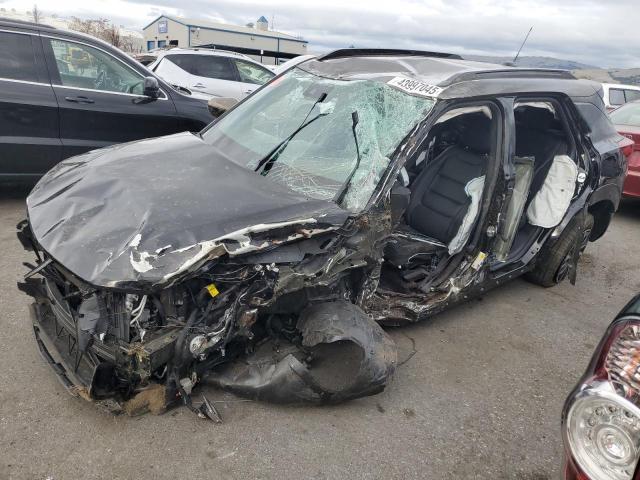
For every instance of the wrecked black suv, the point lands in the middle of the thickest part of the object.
(363, 188)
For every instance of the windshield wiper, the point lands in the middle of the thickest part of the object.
(345, 186)
(269, 159)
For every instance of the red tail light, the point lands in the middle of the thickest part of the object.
(601, 418)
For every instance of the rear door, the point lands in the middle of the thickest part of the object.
(29, 129)
(100, 98)
(251, 75)
(212, 74)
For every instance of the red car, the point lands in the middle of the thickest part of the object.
(601, 417)
(627, 122)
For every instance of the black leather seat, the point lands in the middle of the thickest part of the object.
(439, 201)
(539, 135)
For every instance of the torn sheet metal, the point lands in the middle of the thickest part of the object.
(135, 215)
(344, 355)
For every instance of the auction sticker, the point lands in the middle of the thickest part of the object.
(415, 87)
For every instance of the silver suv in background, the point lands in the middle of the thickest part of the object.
(615, 94)
(215, 72)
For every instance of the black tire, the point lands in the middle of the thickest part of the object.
(552, 265)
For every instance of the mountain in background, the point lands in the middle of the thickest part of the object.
(533, 62)
(628, 76)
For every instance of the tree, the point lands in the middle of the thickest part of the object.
(101, 28)
(36, 14)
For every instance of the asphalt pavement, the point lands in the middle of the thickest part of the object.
(480, 398)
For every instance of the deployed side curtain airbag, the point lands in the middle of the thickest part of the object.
(473, 190)
(552, 200)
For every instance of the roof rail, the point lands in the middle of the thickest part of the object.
(376, 52)
(213, 49)
(511, 73)
(24, 22)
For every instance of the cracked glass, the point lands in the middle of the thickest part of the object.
(306, 131)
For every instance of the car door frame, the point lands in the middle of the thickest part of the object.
(546, 237)
(480, 241)
(72, 146)
(52, 144)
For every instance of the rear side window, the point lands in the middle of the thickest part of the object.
(599, 124)
(631, 95)
(252, 73)
(207, 66)
(17, 57)
(616, 96)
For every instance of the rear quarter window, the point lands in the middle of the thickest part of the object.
(17, 57)
(616, 96)
(599, 124)
(631, 95)
(207, 66)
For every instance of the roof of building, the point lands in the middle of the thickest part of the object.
(226, 27)
(459, 77)
(262, 19)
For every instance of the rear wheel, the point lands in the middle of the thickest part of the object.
(554, 264)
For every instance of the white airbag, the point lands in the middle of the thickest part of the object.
(474, 190)
(552, 200)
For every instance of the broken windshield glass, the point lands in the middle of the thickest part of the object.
(317, 160)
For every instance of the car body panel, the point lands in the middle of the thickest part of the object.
(632, 180)
(219, 87)
(48, 128)
(166, 213)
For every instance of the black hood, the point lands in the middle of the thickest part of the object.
(141, 214)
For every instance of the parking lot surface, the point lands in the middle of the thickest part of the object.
(480, 397)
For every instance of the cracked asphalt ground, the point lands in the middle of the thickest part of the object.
(480, 398)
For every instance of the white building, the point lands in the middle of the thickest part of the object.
(260, 43)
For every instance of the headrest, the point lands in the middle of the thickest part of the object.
(477, 134)
(535, 118)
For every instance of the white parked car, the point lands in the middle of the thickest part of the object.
(214, 72)
(283, 67)
(616, 94)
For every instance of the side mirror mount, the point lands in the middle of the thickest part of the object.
(400, 198)
(151, 87)
(219, 105)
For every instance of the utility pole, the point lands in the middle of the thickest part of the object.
(515, 59)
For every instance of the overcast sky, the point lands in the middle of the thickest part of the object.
(596, 32)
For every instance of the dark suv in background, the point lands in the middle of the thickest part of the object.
(64, 93)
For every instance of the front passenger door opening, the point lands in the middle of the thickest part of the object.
(448, 179)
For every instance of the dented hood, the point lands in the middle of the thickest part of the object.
(140, 215)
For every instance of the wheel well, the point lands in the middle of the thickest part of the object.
(602, 212)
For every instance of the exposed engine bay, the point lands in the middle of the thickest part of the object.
(278, 325)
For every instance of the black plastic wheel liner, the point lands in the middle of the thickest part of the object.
(285, 378)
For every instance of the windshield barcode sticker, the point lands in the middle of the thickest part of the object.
(415, 87)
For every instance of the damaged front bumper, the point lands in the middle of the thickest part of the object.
(133, 353)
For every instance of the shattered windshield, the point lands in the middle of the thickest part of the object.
(324, 138)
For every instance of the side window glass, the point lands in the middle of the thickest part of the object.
(82, 66)
(208, 66)
(631, 95)
(17, 57)
(616, 96)
(250, 73)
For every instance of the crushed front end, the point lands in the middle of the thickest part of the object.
(280, 325)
